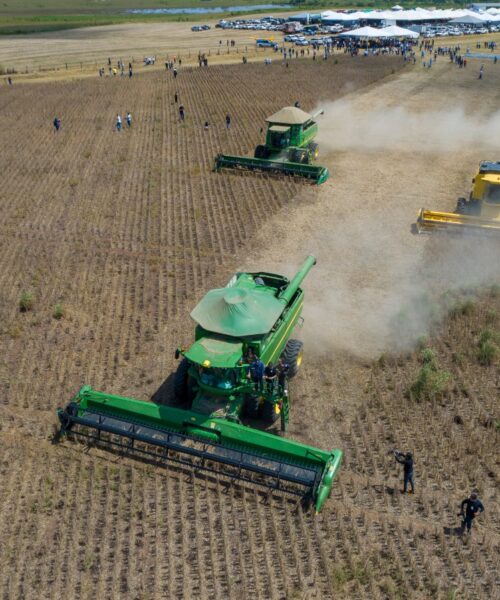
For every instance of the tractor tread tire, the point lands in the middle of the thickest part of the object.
(269, 414)
(261, 151)
(291, 354)
(182, 392)
(252, 407)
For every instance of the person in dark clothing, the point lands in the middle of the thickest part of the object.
(469, 509)
(270, 377)
(407, 461)
(297, 104)
(176, 97)
(250, 355)
(256, 373)
(283, 368)
(57, 123)
(228, 121)
(181, 112)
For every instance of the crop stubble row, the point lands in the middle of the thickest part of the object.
(128, 230)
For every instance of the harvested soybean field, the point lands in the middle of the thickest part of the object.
(110, 238)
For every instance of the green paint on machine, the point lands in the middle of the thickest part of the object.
(253, 316)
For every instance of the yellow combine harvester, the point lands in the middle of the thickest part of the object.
(481, 211)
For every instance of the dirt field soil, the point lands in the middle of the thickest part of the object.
(116, 235)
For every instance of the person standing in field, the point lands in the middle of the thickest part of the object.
(129, 119)
(176, 97)
(407, 461)
(57, 124)
(181, 112)
(175, 73)
(469, 509)
(118, 123)
(228, 121)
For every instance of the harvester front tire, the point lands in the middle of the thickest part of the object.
(183, 392)
(269, 414)
(252, 407)
(313, 150)
(261, 151)
(292, 354)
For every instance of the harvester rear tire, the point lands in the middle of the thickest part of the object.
(269, 414)
(252, 407)
(292, 354)
(183, 390)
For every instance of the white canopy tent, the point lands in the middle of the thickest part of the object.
(413, 15)
(362, 32)
(393, 31)
(470, 20)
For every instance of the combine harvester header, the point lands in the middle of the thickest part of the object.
(254, 315)
(289, 148)
(480, 212)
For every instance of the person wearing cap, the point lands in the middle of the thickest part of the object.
(469, 509)
(407, 461)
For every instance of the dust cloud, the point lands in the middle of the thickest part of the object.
(376, 286)
(395, 128)
(365, 297)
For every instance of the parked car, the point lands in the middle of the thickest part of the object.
(265, 44)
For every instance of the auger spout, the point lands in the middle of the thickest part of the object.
(293, 286)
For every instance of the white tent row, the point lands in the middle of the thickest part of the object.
(393, 31)
(413, 15)
(476, 19)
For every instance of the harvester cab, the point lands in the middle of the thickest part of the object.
(289, 147)
(219, 382)
(480, 211)
(240, 329)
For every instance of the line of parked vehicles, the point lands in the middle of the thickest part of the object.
(297, 33)
(454, 29)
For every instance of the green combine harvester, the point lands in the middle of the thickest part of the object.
(216, 393)
(289, 148)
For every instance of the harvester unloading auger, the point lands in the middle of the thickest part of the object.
(289, 147)
(254, 315)
(481, 211)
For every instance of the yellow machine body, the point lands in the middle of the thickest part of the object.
(481, 211)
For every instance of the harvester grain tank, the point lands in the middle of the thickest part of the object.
(289, 147)
(254, 315)
(481, 211)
